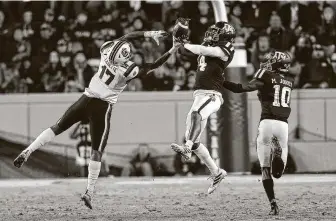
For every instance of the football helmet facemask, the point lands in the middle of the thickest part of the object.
(276, 61)
(221, 31)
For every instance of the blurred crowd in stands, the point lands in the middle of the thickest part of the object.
(54, 46)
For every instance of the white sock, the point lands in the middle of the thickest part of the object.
(94, 170)
(204, 155)
(45, 137)
(189, 144)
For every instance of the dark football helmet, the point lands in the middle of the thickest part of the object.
(276, 61)
(219, 32)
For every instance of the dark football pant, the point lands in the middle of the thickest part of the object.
(99, 114)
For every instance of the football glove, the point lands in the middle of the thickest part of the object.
(181, 30)
(156, 35)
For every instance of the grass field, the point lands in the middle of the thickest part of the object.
(300, 197)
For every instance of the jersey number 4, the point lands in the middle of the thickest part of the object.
(281, 96)
(202, 64)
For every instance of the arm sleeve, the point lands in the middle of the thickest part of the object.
(133, 35)
(253, 85)
(207, 51)
(105, 45)
(151, 66)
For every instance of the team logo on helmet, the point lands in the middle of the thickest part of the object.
(276, 60)
(221, 31)
(126, 53)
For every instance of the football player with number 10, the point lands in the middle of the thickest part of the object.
(274, 84)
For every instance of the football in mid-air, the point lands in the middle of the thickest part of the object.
(181, 29)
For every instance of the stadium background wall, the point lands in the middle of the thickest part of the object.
(159, 118)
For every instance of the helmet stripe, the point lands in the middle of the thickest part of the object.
(115, 50)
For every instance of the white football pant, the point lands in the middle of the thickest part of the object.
(266, 131)
(205, 102)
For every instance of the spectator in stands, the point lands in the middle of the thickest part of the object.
(26, 71)
(3, 36)
(80, 76)
(49, 19)
(235, 18)
(191, 80)
(42, 45)
(280, 38)
(317, 73)
(93, 50)
(164, 81)
(294, 14)
(302, 50)
(53, 74)
(81, 30)
(27, 26)
(315, 10)
(180, 79)
(256, 14)
(203, 20)
(327, 28)
(109, 28)
(10, 79)
(260, 48)
(141, 164)
(18, 48)
(64, 54)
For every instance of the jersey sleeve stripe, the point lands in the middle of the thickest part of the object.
(229, 46)
(129, 70)
(259, 73)
(227, 51)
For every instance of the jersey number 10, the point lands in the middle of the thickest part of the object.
(281, 96)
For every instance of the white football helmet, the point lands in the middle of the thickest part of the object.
(119, 52)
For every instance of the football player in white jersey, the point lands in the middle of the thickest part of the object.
(115, 71)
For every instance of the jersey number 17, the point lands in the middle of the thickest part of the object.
(281, 96)
(107, 76)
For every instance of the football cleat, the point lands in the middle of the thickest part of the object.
(216, 179)
(87, 199)
(182, 150)
(274, 209)
(277, 162)
(22, 158)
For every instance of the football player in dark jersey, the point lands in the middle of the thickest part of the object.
(214, 55)
(274, 84)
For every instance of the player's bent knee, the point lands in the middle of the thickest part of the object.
(195, 146)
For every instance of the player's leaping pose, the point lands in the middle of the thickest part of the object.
(215, 54)
(274, 85)
(115, 71)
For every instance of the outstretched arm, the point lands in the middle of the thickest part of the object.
(147, 34)
(207, 51)
(147, 68)
(253, 85)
